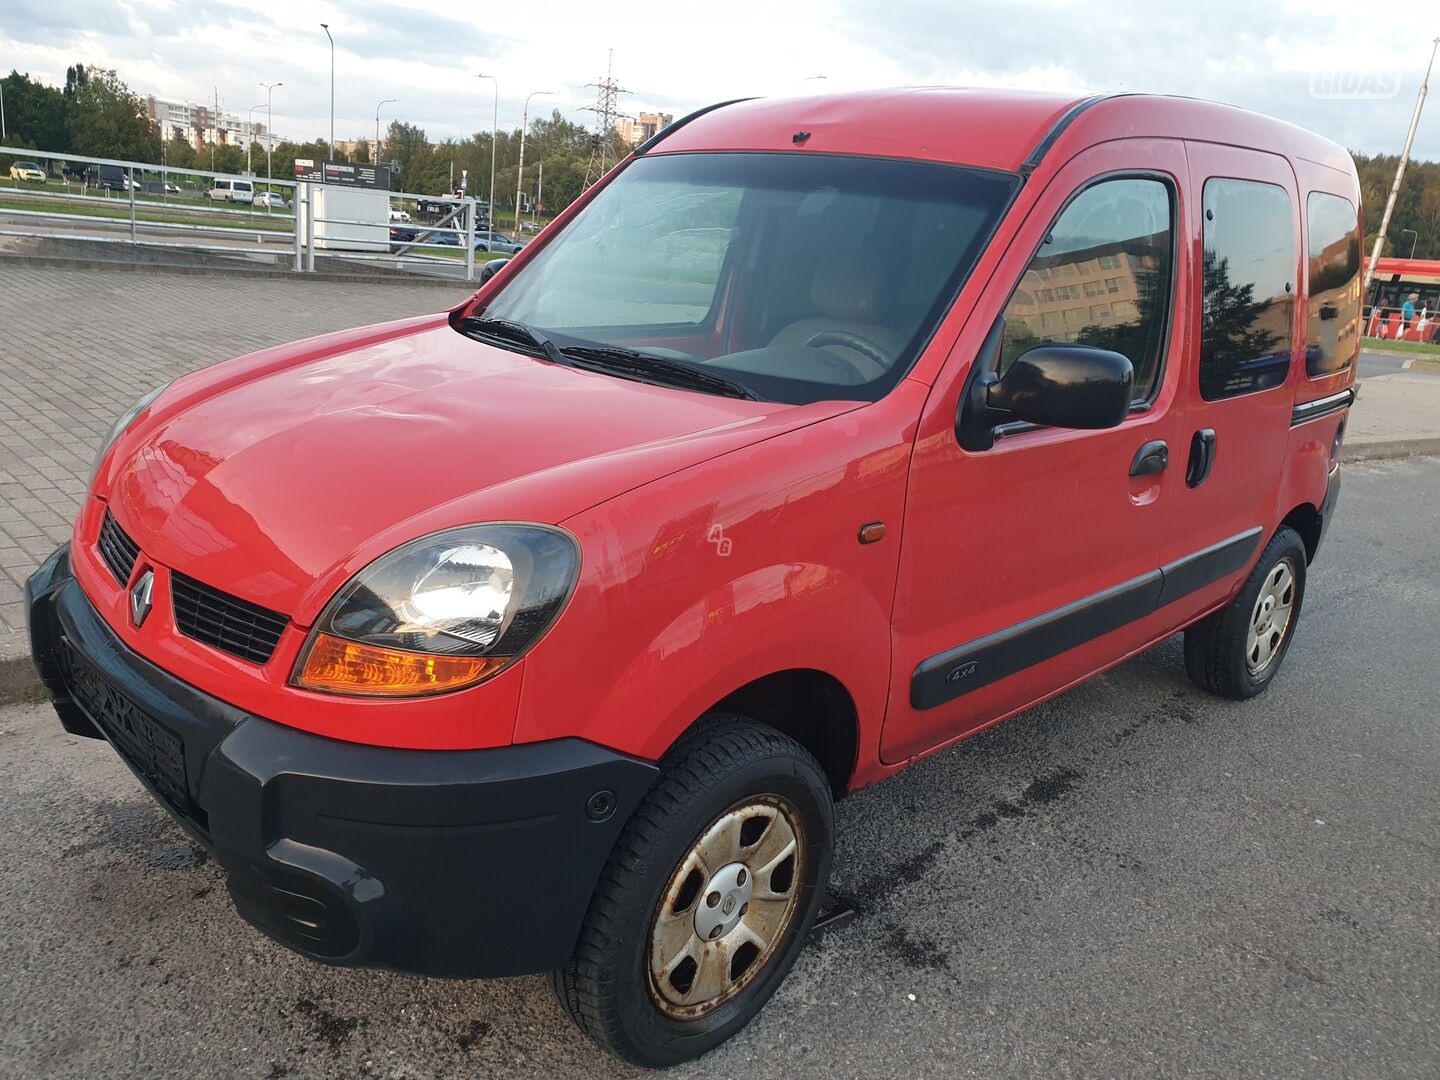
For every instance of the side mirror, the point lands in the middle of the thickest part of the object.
(1068, 386)
(491, 268)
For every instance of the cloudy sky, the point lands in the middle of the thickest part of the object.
(1326, 64)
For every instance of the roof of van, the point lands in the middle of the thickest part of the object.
(990, 128)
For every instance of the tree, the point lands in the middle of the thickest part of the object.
(34, 114)
(1237, 349)
(105, 119)
(223, 158)
(403, 144)
(179, 154)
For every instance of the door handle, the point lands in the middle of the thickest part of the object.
(1202, 457)
(1150, 459)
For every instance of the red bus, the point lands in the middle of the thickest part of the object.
(1394, 281)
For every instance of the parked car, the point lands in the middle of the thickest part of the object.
(109, 178)
(400, 237)
(398, 215)
(541, 635)
(160, 187)
(270, 200)
(27, 171)
(496, 241)
(226, 189)
(483, 241)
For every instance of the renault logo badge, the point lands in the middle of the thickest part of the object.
(141, 596)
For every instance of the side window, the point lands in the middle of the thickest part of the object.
(1103, 277)
(1332, 337)
(1249, 288)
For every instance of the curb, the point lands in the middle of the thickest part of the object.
(20, 682)
(56, 262)
(1390, 449)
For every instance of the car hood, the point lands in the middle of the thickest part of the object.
(278, 476)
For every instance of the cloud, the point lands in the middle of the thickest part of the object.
(1259, 56)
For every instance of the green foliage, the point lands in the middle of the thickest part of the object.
(225, 158)
(104, 119)
(34, 114)
(1230, 317)
(1417, 207)
(180, 154)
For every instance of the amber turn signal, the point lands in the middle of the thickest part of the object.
(337, 666)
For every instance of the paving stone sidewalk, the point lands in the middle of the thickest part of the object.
(77, 347)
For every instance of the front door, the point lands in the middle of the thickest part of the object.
(1029, 565)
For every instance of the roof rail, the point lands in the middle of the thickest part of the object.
(650, 143)
(1031, 163)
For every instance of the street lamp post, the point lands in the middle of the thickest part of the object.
(326, 28)
(387, 101)
(520, 173)
(1399, 172)
(1416, 235)
(494, 127)
(269, 126)
(250, 137)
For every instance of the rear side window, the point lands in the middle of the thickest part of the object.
(1103, 277)
(1249, 288)
(1332, 338)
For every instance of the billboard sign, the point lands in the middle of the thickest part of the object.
(343, 173)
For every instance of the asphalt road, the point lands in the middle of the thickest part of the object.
(1134, 879)
(1373, 363)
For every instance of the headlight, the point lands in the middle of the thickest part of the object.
(440, 613)
(120, 425)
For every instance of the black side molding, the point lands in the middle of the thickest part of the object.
(655, 140)
(1031, 163)
(996, 656)
(1194, 572)
(1005, 652)
(1313, 410)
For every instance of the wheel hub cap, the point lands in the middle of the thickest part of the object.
(726, 908)
(1270, 621)
(726, 901)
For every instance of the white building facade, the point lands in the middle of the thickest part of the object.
(202, 125)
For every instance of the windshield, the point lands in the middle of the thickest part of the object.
(801, 277)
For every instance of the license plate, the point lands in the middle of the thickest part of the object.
(152, 749)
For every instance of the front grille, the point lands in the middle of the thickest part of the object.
(225, 622)
(117, 549)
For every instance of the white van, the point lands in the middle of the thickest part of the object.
(226, 190)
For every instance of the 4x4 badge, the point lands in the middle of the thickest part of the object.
(141, 596)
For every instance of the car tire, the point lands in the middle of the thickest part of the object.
(1237, 651)
(730, 788)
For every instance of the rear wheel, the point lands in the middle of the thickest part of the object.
(707, 898)
(1237, 651)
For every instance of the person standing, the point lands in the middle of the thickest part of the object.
(1407, 314)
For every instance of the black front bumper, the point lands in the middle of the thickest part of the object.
(461, 863)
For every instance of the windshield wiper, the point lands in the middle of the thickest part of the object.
(508, 332)
(659, 369)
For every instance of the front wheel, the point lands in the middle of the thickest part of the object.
(1237, 651)
(707, 898)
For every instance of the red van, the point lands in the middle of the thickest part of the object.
(540, 635)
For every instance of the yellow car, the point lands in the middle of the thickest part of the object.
(27, 170)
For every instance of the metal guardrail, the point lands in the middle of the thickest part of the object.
(196, 221)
